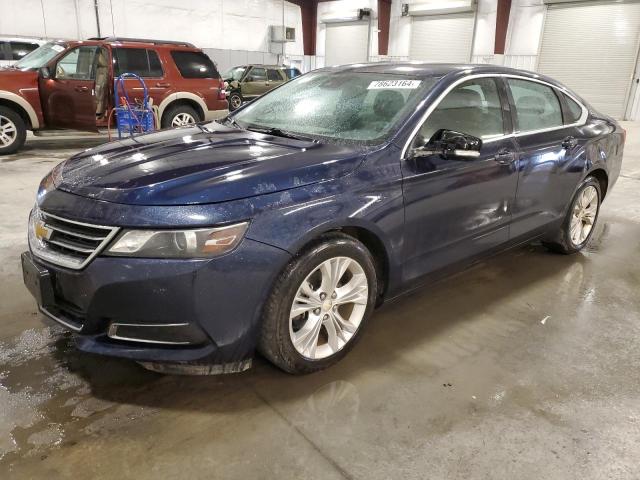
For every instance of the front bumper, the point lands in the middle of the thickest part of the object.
(211, 308)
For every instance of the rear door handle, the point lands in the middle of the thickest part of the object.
(82, 89)
(163, 84)
(569, 143)
(505, 157)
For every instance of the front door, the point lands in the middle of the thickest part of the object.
(457, 208)
(68, 97)
(255, 83)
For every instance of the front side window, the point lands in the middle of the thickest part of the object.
(78, 64)
(257, 75)
(472, 107)
(20, 50)
(194, 64)
(537, 105)
(358, 107)
(141, 61)
(40, 56)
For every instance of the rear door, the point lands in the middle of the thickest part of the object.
(68, 98)
(275, 78)
(548, 144)
(145, 63)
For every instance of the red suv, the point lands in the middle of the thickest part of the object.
(69, 85)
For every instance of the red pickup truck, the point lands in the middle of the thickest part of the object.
(69, 85)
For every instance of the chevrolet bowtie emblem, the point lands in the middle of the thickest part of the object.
(42, 232)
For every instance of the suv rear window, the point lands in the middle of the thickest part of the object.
(194, 64)
(140, 61)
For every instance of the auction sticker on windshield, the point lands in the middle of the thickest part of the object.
(379, 84)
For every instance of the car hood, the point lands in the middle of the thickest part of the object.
(191, 166)
(13, 79)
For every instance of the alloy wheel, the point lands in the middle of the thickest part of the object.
(182, 119)
(583, 216)
(8, 131)
(328, 308)
(236, 101)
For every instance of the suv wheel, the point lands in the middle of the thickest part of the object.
(235, 101)
(179, 116)
(13, 131)
(319, 305)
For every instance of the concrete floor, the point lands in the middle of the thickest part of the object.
(524, 367)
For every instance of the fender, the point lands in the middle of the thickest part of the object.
(26, 106)
(181, 95)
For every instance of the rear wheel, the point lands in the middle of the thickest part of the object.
(319, 305)
(180, 116)
(578, 226)
(13, 131)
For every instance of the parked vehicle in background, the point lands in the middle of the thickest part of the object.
(13, 49)
(247, 82)
(69, 85)
(282, 226)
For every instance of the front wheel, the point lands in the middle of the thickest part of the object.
(235, 101)
(13, 131)
(319, 305)
(578, 226)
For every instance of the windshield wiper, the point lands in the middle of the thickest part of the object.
(279, 133)
(230, 120)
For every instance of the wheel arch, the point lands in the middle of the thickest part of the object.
(364, 233)
(601, 175)
(21, 107)
(183, 98)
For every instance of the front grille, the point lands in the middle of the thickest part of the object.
(65, 242)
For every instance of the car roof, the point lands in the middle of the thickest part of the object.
(425, 69)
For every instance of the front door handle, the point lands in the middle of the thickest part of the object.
(505, 157)
(569, 143)
(163, 84)
(82, 89)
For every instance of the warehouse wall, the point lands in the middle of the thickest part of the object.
(484, 37)
(232, 31)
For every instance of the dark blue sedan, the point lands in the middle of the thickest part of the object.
(280, 228)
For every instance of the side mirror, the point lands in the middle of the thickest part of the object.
(45, 72)
(449, 144)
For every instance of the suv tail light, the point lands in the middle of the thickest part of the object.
(222, 94)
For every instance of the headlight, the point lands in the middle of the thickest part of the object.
(197, 243)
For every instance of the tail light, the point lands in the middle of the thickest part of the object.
(222, 94)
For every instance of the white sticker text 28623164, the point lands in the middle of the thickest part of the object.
(379, 84)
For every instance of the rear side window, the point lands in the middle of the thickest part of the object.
(141, 61)
(574, 111)
(3, 45)
(537, 105)
(194, 65)
(20, 49)
(273, 75)
(472, 107)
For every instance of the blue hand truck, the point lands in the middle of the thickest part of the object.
(132, 119)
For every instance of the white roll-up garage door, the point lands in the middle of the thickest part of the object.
(593, 50)
(442, 38)
(346, 42)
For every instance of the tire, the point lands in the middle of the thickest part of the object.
(179, 115)
(13, 131)
(572, 236)
(346, 319)
(235, 101)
